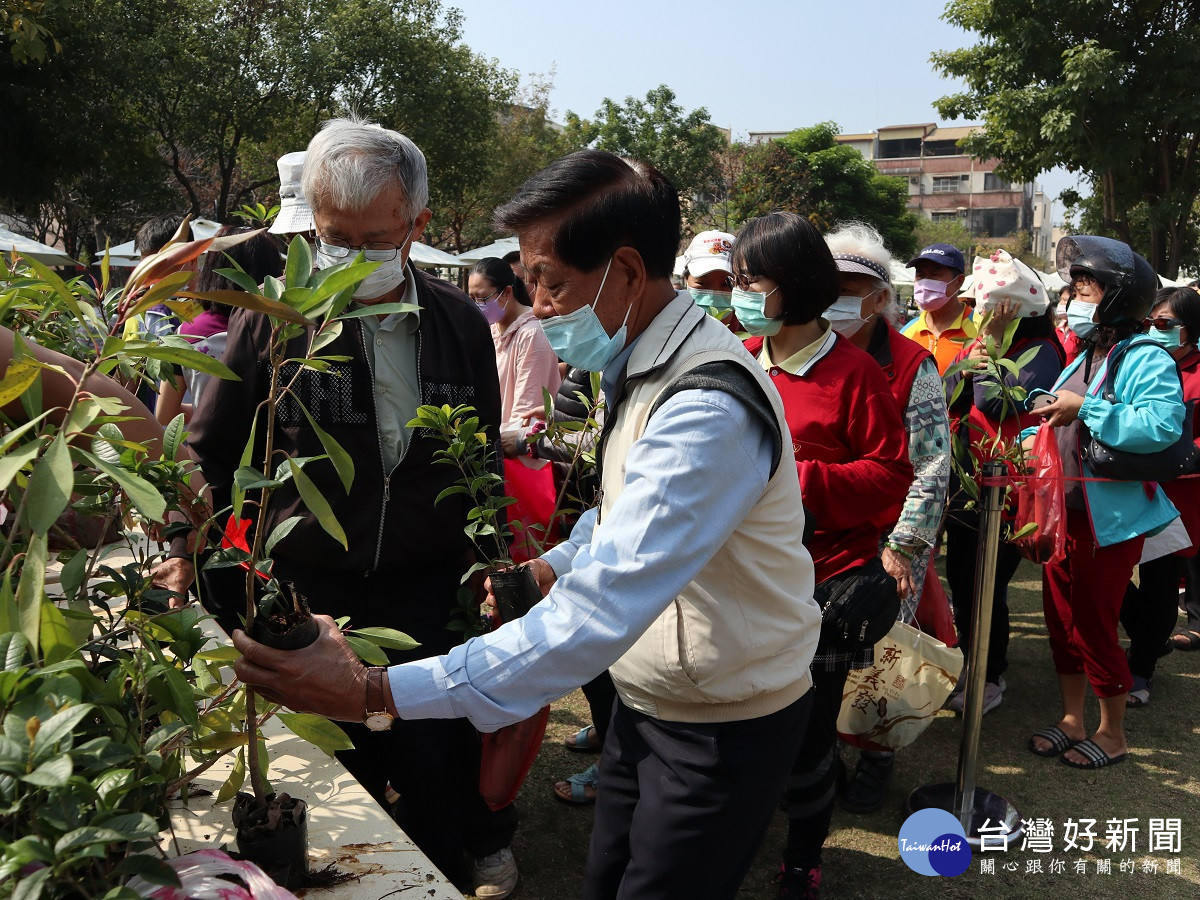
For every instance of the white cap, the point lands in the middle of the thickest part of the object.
(295, 215)
(709, 251)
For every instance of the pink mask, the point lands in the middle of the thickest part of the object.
(491, 309)
(930, 294)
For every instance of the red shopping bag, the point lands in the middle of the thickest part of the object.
(1040, 502)
(934, 615)
(531, 484)
(507, 756)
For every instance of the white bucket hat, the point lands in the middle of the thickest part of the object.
(708, 251)
(295, 215)
(1000, 277)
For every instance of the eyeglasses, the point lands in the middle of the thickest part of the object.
(1083, 279)
(742, 280)
(480, 301)
(372, 251)
(1162, 323)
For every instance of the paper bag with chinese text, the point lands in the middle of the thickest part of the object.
(887, 705)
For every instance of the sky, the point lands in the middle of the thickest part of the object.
(755, 65)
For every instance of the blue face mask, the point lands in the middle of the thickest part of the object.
(1169, 338)
(1079, 318)
(748, 305)
(717, 301)
(580, 340)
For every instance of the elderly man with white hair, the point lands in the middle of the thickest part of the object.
(866, 314)
(368, 189)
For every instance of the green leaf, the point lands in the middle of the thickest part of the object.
(337, 455)
(16, 460)
(241, 279)
(52, 773)
(46, 274)
(234, 782)
(248, 478)
(182, 356)
(30, 887)
(334, 280)
(55, 637)
(132, 826)
(20, 374)
(1027, 528)
(318, 731)
(387, 637)
(86, 836)
(252, 301)
(182, 694)
(279, 532)
(239, 495)
(380, 309)
(31, 589)
(299, 263)
(173, 437)
(49, 487)
(223, 653)
(329, 333)
(150, 868)
(165, 288)
(71, 577)
(142, 494)
(317, 504)
(58, 727)
(220, 740)
(367, 651)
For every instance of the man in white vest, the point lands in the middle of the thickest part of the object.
(689, 581)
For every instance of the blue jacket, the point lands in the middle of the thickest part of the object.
(1147, 417)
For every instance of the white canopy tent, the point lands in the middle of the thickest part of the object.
(901, 274)
(427, 257)
(11, 242)
(497, 248)
(126, 255)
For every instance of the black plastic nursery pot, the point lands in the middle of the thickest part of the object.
(275, 838)
(516, 592)
(285, 636)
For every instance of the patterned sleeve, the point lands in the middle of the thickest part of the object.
(929, 451)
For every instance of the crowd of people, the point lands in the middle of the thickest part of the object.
(697, 595)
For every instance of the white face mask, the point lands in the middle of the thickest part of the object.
(388, 277)
(846, 314)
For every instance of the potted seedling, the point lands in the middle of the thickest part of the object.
(306, 312)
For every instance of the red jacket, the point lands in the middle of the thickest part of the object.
(851, 452)
(1185, 492)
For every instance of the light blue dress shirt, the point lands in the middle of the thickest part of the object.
(700, 466)
(392, 353)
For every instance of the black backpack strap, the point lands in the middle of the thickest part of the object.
(730, 378)
(1110, 376)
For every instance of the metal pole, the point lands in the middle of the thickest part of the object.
(991, 498)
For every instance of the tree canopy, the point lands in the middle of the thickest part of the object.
(810, 173)
(681, 145)
(1104, 88)
(174, 106)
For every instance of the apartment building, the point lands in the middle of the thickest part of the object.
(946, 184)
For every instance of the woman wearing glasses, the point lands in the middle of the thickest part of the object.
(849, 441)
(1107, 521)
(1151, 606)
(524, 360)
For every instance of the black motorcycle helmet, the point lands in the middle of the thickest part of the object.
(1129, 282)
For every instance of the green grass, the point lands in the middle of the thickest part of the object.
(1160, 780)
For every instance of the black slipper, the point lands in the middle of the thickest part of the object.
(1186, 641)
(1059, 740)
(1096, 757)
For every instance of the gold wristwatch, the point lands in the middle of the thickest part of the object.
(377, 717)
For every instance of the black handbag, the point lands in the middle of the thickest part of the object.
(1162, 465)
(858, 607)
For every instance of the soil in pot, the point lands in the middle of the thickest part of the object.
(275, 838)
(516, 592)
(286, 624)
